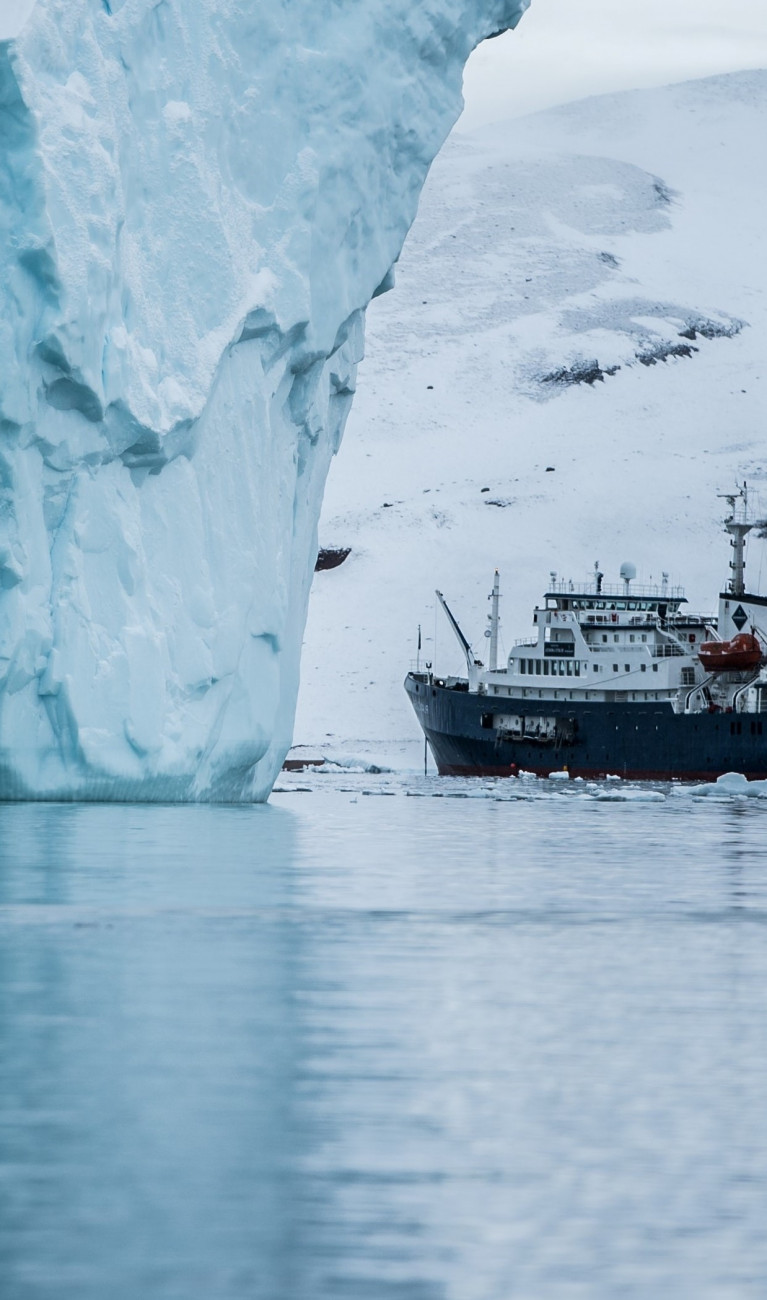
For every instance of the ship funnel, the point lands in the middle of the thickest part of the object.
(628, 573)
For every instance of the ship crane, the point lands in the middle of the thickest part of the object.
(473, 665)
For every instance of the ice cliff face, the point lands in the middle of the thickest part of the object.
(198, 199)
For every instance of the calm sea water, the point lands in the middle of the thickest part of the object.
(363, 1046)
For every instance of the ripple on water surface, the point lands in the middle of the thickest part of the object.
(506, 1044)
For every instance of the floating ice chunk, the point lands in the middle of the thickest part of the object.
(731, 783)
(630, 795)
(559, 776)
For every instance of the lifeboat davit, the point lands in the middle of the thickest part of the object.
(742, 652)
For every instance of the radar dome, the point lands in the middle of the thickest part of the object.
(628, 571)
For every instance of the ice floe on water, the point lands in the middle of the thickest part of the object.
(630, 794)
(369, 780)
(355, 777)
(729, 784)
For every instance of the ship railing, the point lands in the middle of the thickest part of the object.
(637, 590)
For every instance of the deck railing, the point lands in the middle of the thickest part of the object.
(636, 591)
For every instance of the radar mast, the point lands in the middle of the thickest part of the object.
(738, 526)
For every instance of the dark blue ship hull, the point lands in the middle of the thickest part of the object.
(590, 739)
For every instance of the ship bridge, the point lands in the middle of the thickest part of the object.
(598, 601)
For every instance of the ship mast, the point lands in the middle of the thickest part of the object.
(493, 617)
(738, 526)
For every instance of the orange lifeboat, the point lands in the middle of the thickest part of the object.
(742, 652)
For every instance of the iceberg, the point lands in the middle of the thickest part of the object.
(198, 200)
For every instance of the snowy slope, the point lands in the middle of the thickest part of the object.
(603, 236)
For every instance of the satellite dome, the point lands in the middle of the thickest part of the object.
(628, 571)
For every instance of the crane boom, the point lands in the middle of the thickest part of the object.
(471, 663)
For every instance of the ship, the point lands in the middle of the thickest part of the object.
(617, 680)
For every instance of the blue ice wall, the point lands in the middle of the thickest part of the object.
(198, 199)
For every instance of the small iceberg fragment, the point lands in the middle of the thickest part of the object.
(732, 783)
(630, 795)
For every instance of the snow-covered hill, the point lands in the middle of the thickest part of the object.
(570, 367)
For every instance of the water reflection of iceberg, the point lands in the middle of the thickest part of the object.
(147, 1036)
